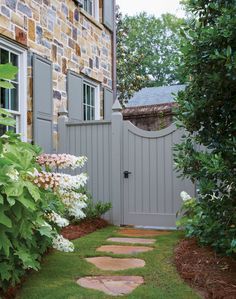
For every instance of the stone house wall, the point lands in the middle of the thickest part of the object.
(67, 36)
(150, 118)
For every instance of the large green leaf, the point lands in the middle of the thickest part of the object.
(27, 202)
(28, 259)
(15, 189)
(8, 71)
(45, 230)
(5, 243)
(4, 219)
(33, 190)
(5, 271)
(7, 85)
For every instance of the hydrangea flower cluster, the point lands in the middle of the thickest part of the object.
(13, 174)
(66, 187)
(185, 196)
(61, 161)
(46, 180)
(56, 218)
(62, 244)
(69, 182)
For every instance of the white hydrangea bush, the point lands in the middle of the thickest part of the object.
(68, 188)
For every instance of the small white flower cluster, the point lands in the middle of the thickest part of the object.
(56, 218)
(185, 196)
(74, 202)
(62, 244)
(13, 174)
(75, 210)
(69, 182)
(61, 161)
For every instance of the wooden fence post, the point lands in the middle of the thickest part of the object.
(62, 131)
(116, 151)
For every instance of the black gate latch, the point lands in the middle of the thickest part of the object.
(126, 174)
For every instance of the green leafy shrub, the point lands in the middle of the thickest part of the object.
(207, 111)
(24, 234)
(93, 209)
(202, 219)
(96, 209)
(32, 200)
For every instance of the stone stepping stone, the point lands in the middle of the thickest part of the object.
(116, 264)
(132, 240)
(119, 249)
(111, 285)
(135, 232)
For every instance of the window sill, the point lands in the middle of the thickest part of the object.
(91, 18)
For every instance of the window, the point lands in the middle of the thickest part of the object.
(91, 7)
(14, 100)
(90, 101)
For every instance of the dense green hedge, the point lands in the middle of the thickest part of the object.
(207, 110)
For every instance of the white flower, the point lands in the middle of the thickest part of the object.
(69, 182)
(13, 174)
(33, 174)
(56, 218)
(75, 210)
(61, 161)
(185, 196)
(62, 244)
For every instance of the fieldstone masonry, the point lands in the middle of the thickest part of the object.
(67, 36)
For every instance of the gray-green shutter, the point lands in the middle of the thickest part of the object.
(75, 96)
(108, 14)
(42, 103)
(108, 102)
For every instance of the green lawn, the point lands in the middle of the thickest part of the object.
(56, 279)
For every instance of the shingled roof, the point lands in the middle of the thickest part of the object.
(155, 95)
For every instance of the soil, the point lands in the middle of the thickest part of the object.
(213, 276)
(85, 227)
(70, 232)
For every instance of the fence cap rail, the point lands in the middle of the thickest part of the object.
(88, 123)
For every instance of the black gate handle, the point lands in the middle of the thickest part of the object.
(126, 174)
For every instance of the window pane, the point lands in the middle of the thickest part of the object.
(88, 95)
(85, 94)
(14, 105)
(4, 98)
(90, 7)
(88, 113)
(4, 57)
(93, 113)
(3, 130)
(92, 96)
(86, 5)
(14, 61)
(85, 115)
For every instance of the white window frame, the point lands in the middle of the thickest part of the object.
(95, 9)
(96, 100)
(21, 125)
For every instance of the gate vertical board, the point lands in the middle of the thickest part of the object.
(151, 192)
(150, 196)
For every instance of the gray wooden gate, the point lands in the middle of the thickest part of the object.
(129, 167)
(151, 187)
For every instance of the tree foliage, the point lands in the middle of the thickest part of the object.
(148, 52)
(7, 72)
(207, 110)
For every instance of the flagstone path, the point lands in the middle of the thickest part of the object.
(132, 240)
(116, 285)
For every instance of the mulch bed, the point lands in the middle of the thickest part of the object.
(85, 227)
(213, 276)
(70, 232)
